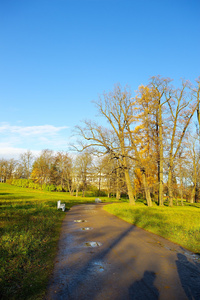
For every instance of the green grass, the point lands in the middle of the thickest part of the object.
(29, 232)
(179, 224)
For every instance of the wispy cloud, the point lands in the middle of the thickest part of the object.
(16, 139)
(12, 152)
(31, 130)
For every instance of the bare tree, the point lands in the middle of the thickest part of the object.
(26, 160)
(110, 176)
(182, 109)
(195, 160)
(83, 165)
(116, 108)
(161, 94)
(7, 169)
(63, 164)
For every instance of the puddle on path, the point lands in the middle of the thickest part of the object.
(86, 228)
(193, 256)
(92, 244)
(89, 207)
(96, 266)
(79, 221)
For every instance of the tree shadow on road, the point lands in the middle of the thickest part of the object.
(144, 288)
(189, 275)
(80, 276)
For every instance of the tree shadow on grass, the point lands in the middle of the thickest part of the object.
(13, 200)
(3, 194)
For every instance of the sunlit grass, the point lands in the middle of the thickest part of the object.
(29, 231)
(179, 224)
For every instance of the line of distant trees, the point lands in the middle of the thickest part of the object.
(150, 148)
(58, 171)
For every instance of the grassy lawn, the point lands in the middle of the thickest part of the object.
(179, 224)
(29, 231)
(30, 227)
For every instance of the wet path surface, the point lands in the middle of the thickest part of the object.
(103, 257)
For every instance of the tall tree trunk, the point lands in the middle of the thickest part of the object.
(181, 187)
(170, 183)
(118, 194)
(99, 184)
(193, 193)
(160, 156)
(77, 189)
(128, 183)
(127, 176)
(129, 187)
(192, 197)
(146, 189)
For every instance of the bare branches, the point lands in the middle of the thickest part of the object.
(147, 130)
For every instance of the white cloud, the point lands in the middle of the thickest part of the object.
(11, 152)
(31, 130)
(14, 140)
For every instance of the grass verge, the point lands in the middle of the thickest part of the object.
(29, 232)
(179, 224)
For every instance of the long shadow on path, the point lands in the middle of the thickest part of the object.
(86, 272)
(130, 264)
(189, 275)
(144, 288)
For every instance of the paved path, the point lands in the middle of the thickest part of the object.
(128, 263)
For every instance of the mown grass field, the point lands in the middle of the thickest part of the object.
(30, 227)
(29, 232)
(179, 224)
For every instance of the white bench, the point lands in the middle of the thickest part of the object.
(97, 200)
(60, 205)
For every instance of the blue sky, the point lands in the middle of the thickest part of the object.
(56, 56)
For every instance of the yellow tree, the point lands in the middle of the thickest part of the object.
(150, 103)
(42, 166)
(165, 114)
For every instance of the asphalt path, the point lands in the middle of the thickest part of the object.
(124, 262)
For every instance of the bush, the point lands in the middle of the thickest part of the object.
(28, 183)
(94, 191)
(9, 181)
(51, 188)
(59, 188)
(100, 193)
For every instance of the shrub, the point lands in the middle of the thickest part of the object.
(100, 193)
(9, 181)
(51, 188)
(28, 183)
(59, 188)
